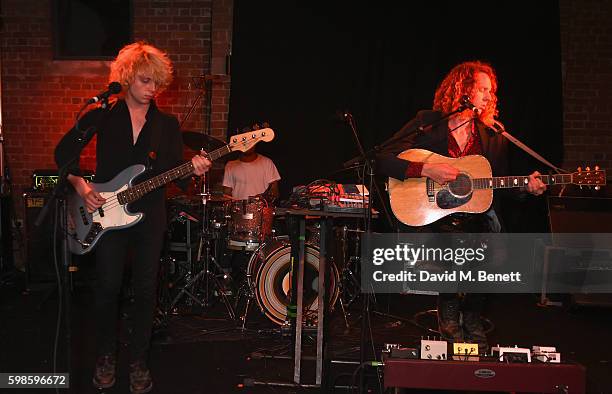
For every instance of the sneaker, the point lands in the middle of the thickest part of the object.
(104, 374)
(140, 378)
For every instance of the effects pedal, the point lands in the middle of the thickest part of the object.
(546, 354)
(433, 350)
(398, 351)
(465, 352)
(512, 354)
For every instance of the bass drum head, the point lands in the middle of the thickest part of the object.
(271, 267)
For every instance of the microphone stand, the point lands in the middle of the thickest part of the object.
(404, 132)
(58, 199)
(369, 162)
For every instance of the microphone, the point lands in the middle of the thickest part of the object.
(113, 88)
(467, 104)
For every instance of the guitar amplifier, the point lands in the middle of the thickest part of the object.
(45, 180)
(582, 215)
(40, 264)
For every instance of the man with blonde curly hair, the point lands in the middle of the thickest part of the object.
(132, 130)
(468, 132)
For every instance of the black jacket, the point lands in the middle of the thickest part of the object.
(116, 151)
(494, 146)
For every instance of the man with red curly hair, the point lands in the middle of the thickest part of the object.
(469, 132)
(131, 131)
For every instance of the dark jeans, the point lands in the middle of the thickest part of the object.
(487, 222)
(143, 243)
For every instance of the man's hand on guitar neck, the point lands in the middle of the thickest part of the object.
(93, 200)
(535, 185)
(200, 163)
(441, 173)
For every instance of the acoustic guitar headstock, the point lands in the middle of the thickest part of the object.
(595, 177)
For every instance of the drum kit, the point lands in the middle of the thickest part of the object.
(207, 230)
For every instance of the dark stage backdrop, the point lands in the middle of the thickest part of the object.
(295, 65)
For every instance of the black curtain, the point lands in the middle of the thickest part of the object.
(295, 65)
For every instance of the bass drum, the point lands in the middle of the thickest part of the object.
(268, 274)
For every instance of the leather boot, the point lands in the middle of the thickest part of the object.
(140, 378)
(448, 317)
(104, 374)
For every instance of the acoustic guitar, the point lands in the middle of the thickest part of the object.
(421, 201)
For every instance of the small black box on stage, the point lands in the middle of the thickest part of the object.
(405, 353)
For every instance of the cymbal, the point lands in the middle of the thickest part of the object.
(197, 140)
(220, 198)
(215, 197)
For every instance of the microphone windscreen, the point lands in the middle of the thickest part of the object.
(114, 87)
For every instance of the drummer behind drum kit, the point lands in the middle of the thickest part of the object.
(245, 227)
(204, 230)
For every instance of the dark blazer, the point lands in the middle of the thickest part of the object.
(494, 146)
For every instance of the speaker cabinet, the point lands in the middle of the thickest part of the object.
(40, 262)
(6, 235)
(583, 215)
(580, 214)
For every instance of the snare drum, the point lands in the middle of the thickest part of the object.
(268, 274)
(250, 223)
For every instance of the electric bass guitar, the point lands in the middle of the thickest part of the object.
(421, 201)
(85, 229)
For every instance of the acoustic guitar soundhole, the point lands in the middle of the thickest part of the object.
(461, 187)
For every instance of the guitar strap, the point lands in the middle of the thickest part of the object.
(527, 149)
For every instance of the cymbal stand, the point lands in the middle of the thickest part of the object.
(192, 279)
(349, 281)
(189, 289)
(210, 260)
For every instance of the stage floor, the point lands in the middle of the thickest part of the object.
(203, 352)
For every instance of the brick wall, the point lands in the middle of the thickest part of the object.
(41, 96)
(586, 43)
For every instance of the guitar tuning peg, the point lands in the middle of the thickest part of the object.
(588, 168)
(255, 127)
(265, 125)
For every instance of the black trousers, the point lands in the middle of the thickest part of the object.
(487, 222)
(143, 244)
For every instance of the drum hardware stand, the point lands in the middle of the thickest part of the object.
(348, 279)
(348, 276)
(210, 265)
(191, 279)
(246, 290)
